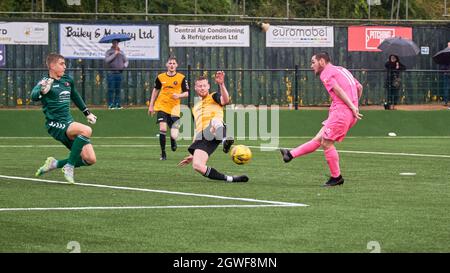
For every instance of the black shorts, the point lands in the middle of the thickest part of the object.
(208, 146)
(172, 121)
(205, 141)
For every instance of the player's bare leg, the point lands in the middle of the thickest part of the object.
(199, 161)
(88, 154)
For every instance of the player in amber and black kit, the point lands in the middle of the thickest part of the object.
(210, 130)
(170, 88)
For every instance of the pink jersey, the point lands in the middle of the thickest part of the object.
(332, 75)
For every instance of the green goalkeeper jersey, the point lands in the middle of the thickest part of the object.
(56, 103)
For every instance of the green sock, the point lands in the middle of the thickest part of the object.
(77, 146)
(61, 163)
(80, 163)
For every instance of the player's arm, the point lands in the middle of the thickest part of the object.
(42, 88)
(36, 92)
(359, 88)
(154, 95)
(188, 159)
(184, 90)
(220, 80)
(79, 102)
(181, 96)
(151, 106)
(343, 96)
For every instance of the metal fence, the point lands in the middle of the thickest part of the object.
(283, 87)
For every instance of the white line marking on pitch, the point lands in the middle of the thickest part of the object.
(407, 174)
(96, 145)
(366, 152)
(280, 137)
(372, 153)
(159, 191)
(253, 147)
(400, 154)
(143, 207)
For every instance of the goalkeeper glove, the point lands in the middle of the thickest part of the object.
(46, 85)
(91, 118)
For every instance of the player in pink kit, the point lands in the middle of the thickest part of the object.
(345, 92)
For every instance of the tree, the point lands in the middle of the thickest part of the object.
(354, 9)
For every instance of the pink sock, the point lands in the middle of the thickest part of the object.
(332, 157)
(305, 148)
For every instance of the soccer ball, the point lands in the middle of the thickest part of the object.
(241, 154)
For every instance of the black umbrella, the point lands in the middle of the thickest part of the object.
(443, 56)
(399, 46)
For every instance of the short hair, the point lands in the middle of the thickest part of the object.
(323, 55)
(172, 58)
(201, 78)
(53, 57)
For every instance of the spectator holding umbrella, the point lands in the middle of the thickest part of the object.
(443, 59)
(116, 61)
(396, 47)
(445, 82)
(393, 81)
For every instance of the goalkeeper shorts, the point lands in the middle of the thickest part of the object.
(58, 131)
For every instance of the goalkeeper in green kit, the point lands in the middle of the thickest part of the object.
(56, 91)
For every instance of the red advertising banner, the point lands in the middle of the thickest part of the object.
(364, 38)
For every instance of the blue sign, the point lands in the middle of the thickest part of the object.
(2, 55)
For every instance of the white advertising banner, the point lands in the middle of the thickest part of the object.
(209, 36)
(82, 41)
(300, 36)
(23, 33)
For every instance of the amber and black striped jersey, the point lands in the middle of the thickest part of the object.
(206, 109)
(169, 85)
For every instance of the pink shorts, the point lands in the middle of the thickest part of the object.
(338, 123)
